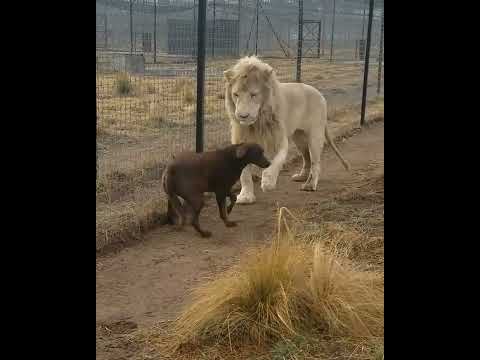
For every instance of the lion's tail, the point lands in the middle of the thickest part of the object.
(334, 147)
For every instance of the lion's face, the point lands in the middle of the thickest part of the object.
(248, 95)
(248, 90)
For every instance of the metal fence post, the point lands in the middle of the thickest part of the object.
(319, 36)
(131, 27)
(380, 53)
(96, 145)
(324, 18)
(214, 27)
(239, 28)
(201, 39)
(194, 15)
(106, 32)
(333, 31)
(299, 40)
(155, 32)
(363, 20)
(256, 33)
(195, 25)
(367, 61)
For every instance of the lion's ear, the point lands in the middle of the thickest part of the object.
(228, 75)
(268, 72)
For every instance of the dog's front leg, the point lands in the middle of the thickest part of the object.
(233, 200)
(270, 174)
(246, 195)
(221, 201)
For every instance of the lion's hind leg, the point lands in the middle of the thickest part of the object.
(316, 140)
(300, 139)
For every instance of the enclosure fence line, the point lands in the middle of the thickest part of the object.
(160, 64)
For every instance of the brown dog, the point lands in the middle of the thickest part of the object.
(190, 175)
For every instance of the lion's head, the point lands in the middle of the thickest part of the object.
(249, 89)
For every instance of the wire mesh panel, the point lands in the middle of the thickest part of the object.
(146, 73)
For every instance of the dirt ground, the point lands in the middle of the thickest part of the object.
(147, 283)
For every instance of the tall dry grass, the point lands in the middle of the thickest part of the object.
(283, 290)
(349, 302)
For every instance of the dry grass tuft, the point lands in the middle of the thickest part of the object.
(348, 301)
(256, 302)
(280, 291)
(189, 96)
(342, 238)
(126, 224)
(123, 85)
(129, 204)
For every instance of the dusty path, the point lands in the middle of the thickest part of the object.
(148, 282)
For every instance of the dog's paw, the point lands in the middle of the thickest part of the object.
(206, 234)
(308, 187)
(268, 181)
(245, 198)
(230, 224)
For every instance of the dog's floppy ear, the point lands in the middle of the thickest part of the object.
(228, 75)
(241, 151)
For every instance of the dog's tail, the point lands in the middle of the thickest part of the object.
(334, 147)
(174, 205)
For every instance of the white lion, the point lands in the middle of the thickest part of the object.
(263, 110)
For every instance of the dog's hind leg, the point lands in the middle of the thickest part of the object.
(175, 211)
(196, 202)
(221, 201)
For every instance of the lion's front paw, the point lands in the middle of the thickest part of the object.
(302, 176)
(268, 181)
(245, 197)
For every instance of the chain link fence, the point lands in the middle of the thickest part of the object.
(146, 72)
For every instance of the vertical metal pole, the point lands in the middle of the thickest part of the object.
(380, 53)
(194, 14)
(323, 32)
(96, 144)
(363, 19)
(201, 40)
(333, 31)
(155, 32)
(288, 42)
(299, 40)
(256, 33)
(319, 37)
(194, 47)
(239, 28)
(213, 30)
(131, 27)
(105, 31)
(367, 61)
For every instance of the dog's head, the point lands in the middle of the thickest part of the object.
(252, 153)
